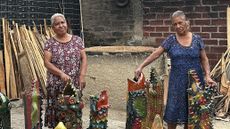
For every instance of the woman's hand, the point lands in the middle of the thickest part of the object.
(138, 72)
(64, 77)
(210, 82)
(82, 81)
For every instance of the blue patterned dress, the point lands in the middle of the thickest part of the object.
(182, 59)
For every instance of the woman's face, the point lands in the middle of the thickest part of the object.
(180, 25)
(60, 26)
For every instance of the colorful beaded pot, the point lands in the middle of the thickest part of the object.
(200, 105)
(69, 107)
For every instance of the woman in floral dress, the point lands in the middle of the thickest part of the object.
(186, 51)
(65, 59)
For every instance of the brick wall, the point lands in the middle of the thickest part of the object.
(207, 17)
(105, 23)
(26, 11)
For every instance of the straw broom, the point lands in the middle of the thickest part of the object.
(38, 56)
(35, 56)
(24, 65)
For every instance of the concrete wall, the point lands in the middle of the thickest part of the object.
(105, 23)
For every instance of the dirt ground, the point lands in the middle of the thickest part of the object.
(110, 71)
(116, 118)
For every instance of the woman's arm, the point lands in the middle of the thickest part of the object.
(155, 54)
(206, 68)
(52, 68)
(83, 68)
(205, 63)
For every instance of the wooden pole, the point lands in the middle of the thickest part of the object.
(228, 26)
(2, 74)
(6, 57)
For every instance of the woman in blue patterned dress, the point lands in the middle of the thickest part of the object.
(186, 51)
(64, 58)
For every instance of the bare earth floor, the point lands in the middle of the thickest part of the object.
(116, 119)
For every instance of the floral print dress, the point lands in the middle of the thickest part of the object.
(66, 57)
(182, 60)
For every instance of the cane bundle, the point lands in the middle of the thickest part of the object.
(222, 73)
(23, 57)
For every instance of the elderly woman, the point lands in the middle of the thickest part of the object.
(186, 51)
(65, 59)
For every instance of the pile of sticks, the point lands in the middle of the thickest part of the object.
(23, 57)
(221, 72)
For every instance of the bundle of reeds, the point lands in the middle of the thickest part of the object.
(23, 57)
(221, 72)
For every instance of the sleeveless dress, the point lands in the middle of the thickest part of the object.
(66, 57)
(182, 59)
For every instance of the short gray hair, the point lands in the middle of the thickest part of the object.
(56, 15)
(179, 13)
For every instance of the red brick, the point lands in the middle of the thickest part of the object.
(207, 49)
(209, 2)
(219, 55)
(170, 9)
(146, 34)
(219, 35)
(219, 22)
(162, 29)
(166, 34)
(157, 9)
(156, 22)
(187, 8)
(195, 29)
(149, 28)
(210, 15)
(163, 16)
(209, 29)
(202, 22)
(167, 22)
(223, 14)
(149, 16)
(212, 55)
(193, 15)
(225, 2)
(218, 49)
(204, 35)
(156, 34)
(210, 42)
(192, 2)
(191, 22)
(223, 42)
(160, 40)
(212, 63)
(223, 29)
(219, 8)
(172, 29)
(202, 9)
